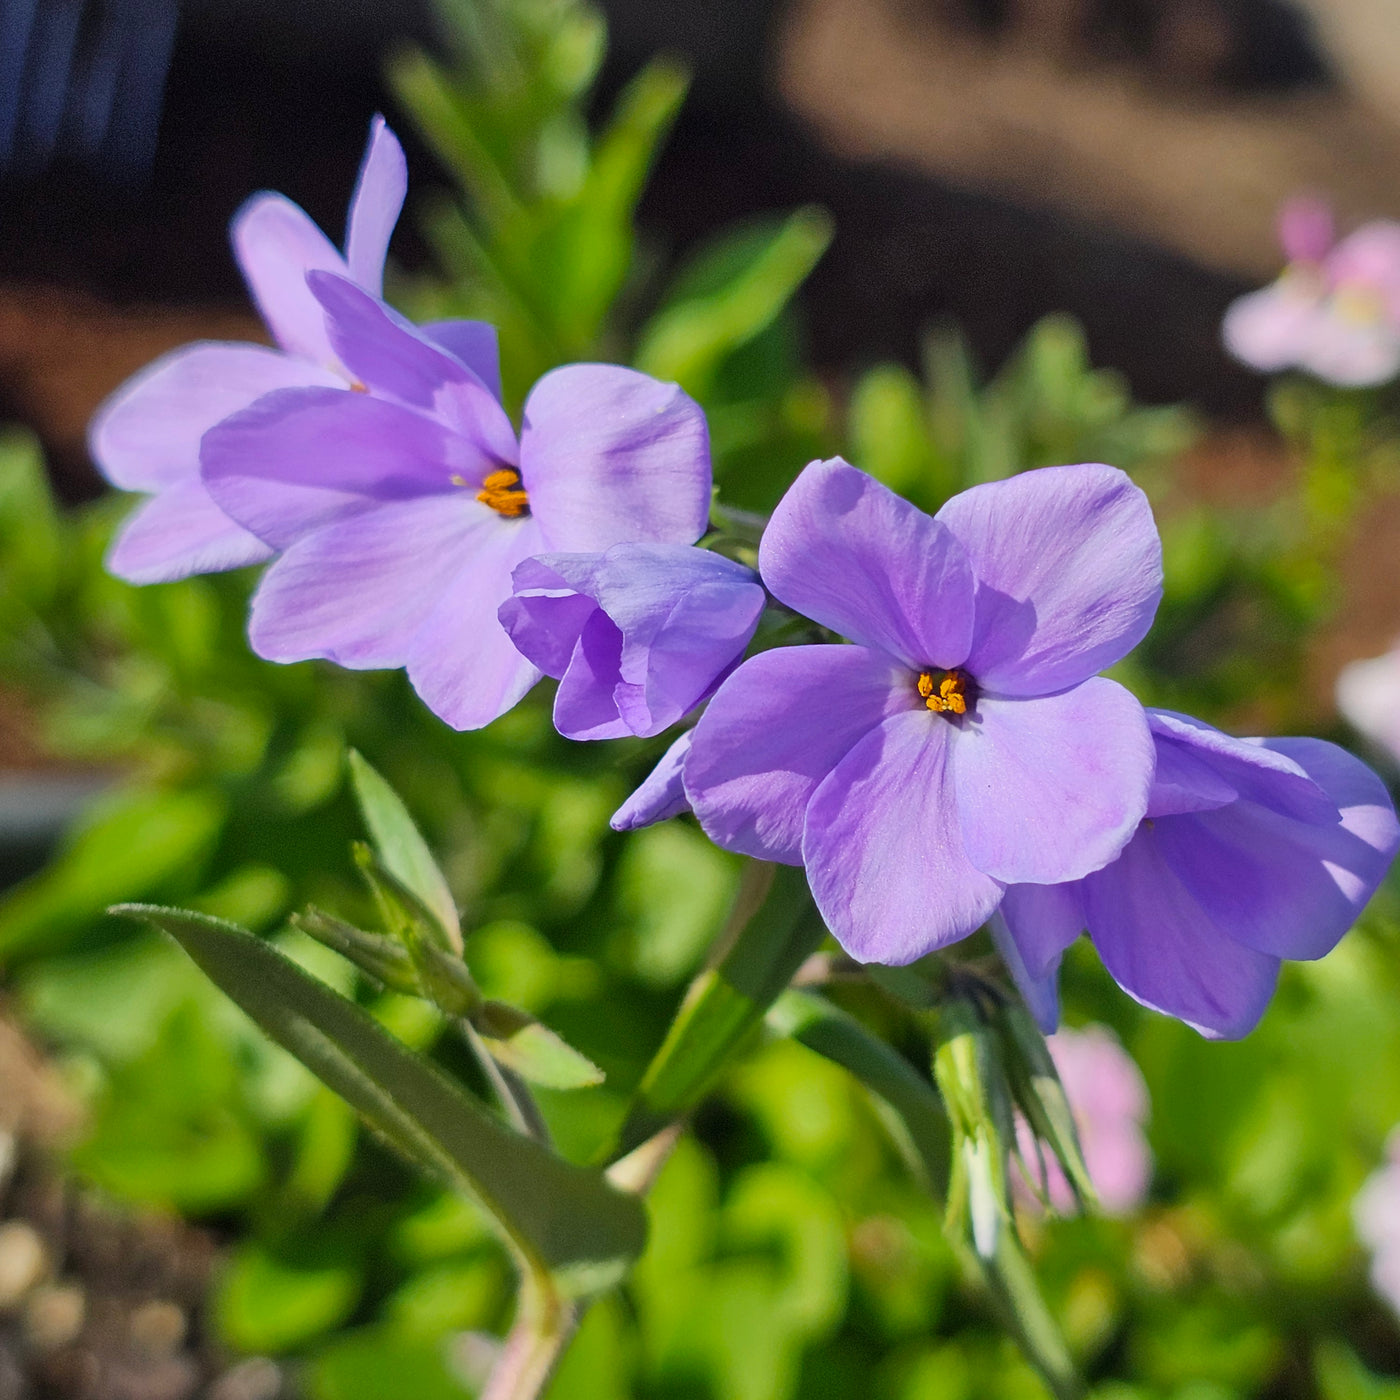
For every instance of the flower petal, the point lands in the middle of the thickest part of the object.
(554, 598)
(1165, 951)
(462, 663)
(1052, 788)
(474, 343)
(1346, 351)
(357, 590)
(662, 793)
(299, 458)
(610, 456)
(146, 435)
(584, 707)
(1068, 565)
(374, 207)
(1284, 887)
(772, 733)
(1368, 694)
(1043, 920)
(883, 850)
(1271, 329)
(178, 533)
(1041, 994)
(847, 552)
(386, 352)
(277, 244)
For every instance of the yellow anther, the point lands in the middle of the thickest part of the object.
(503, 492)
(358, 386)
(951, 696)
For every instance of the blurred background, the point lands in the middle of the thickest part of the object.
(950, 238)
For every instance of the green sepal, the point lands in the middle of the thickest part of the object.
(521, 1043)
(564, 1221)
(385, 959)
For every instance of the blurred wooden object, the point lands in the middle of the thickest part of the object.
(1026, 115)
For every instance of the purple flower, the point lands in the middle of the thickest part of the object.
(401, 512)
(638, 636)
(146, 436)
(1334, 311)
(1252, 851)
(1108, 1097)
(963, 744)
(662, 792)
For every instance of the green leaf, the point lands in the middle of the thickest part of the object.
(562, 1219)
(774, 927)
(831, 1032)
(888, 429)
(732, 292)
(401, 848)
(521, 1043)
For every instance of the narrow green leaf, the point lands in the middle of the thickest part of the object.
(831, 1032)
(401, 847)
(523, 1044)
(735, 290)
(562, 1219)
(774, 927)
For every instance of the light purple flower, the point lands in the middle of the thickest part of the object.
(638, 636)
(964, 743)
(1334, 311)
(1368, 694)
(400, 513)
(1375, 1213)
(662, 792)
(1252, 851)
(1108, 1097)
(145, 437)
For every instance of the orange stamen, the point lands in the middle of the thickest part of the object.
(950, 697)
(503, 492)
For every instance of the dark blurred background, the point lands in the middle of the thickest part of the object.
(988, 160)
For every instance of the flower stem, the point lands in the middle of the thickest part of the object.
(544, 1324)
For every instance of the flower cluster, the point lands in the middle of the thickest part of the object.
(939, 752)
(1335, 310)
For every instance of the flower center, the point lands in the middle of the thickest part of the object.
(949, 696)
(503, 492)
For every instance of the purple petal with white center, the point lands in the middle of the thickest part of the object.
(1284, 887)
(276, 245)
(146, 435)
(1041, 994)
(1164, 949)
(662, 793)
(1043, 920)
(584, 707)
(1368, 694)
(178, 533)
(374, 207)
(772, 733)
(1052, 788)
(610, 456)
(883, 848)
(299, 458)
(461, 662)
(474, 343)
(554, 598)
(387, 353)
(1252, 768)
(847, 552)
(356, 591)
(1068, 566)
(1271, 329)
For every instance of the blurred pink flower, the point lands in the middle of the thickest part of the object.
(1108, 1096)
(1334, 311)
(1368, 694)
(1375, 1213)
